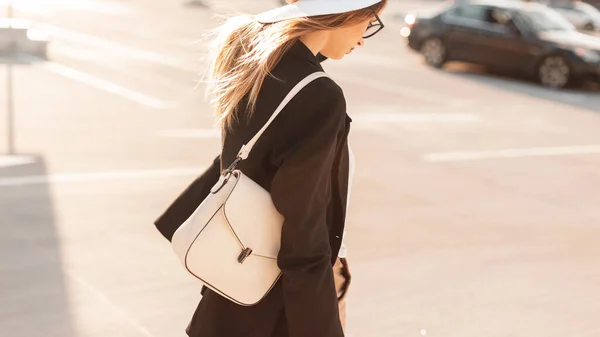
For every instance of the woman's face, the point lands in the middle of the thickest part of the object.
(342, 41)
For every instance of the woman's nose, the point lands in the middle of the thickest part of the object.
(361, 42)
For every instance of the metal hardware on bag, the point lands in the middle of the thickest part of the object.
(244, 254)
(232, 166)
(220, 187)
(227, 176)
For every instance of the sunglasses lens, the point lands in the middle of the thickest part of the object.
(372, 30)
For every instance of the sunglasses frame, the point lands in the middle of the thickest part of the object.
(371, 24)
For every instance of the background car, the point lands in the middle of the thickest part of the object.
(582, 15)
(527, 37)
(595, 3)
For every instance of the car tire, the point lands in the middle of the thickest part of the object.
(589, 26)
(554, 71)
(434, 52)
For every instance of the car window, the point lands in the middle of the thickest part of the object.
(566, 4)
(497, 16)
(488, 17)
(585, 7)
(561, 6)
(545, 20)
(588, 9)
(469, 12)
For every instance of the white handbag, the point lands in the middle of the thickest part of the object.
(231, 241)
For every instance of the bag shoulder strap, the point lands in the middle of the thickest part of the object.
(246, 148)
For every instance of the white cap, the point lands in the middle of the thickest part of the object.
(307, 8)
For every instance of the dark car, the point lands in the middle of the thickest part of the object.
(512, 35)
(582, 15)
(595, 3)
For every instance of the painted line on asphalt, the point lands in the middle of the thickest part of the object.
(410, 92)
(101, 84)
(191, 133)
(87, 55)
(102, 176)
(511, 153)
(100, 296)
(122, 50)
(415, 118)
(50, 7)
(376, 60)
(107, 86)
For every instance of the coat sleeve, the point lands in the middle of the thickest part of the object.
(188, 200)
(301, 192)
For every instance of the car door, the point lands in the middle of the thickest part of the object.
(508, 42)
(463, 33)
(507, 50)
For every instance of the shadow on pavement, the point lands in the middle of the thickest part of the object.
(196, 4)
(33, 289)
(585, 96)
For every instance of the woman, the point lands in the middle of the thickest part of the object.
(302, 159)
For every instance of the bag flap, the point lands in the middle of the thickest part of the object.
(253, 217)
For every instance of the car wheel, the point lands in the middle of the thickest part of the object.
(554, 72)
(589, 26)
(434, 52)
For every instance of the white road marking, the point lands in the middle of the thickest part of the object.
(412, 118)
(112, 306)
(33, 245)
(389, 87)
(375, 60)
(86, 55)
(191, 133)
(49, 6)
(124, 51)
(107, 86)
(101, 84)
(511, 153)
(94, 177)
(15, 160)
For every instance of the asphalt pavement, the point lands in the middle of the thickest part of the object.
(475, 211)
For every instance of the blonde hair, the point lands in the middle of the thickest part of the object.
(243, 52)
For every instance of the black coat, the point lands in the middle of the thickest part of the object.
(302, 159)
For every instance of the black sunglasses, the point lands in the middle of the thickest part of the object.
(374, 27)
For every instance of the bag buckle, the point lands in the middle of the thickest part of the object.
(226, 175)
(232, 166)
(244, 254)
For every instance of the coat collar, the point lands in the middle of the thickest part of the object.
(300, 50)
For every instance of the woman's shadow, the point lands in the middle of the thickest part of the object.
(34, 297)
